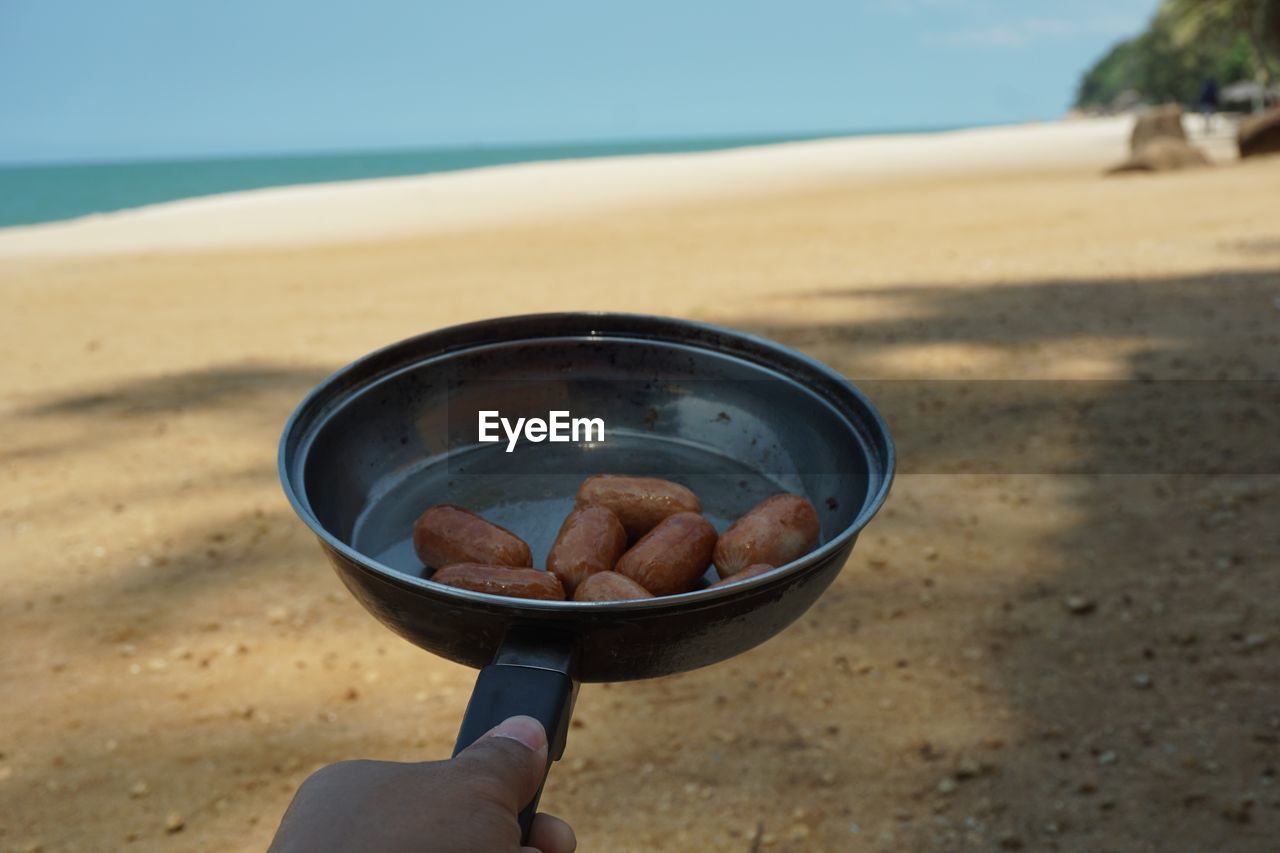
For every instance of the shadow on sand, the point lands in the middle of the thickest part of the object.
(1139, 654)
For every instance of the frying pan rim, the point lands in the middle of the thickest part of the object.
(331, 386)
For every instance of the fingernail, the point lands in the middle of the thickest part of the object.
(526, 730)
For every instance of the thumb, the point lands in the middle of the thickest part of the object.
(506, 765)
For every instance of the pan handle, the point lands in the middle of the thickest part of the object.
(529, 676)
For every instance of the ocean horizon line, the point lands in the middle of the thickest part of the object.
(47, 192)
(658, 139)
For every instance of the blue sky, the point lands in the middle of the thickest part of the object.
(95, 80)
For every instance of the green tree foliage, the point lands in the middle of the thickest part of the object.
(1187, 42)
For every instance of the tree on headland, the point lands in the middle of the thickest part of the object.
(1187, 42)
(1258, 21)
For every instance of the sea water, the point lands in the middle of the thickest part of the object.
(41, 193)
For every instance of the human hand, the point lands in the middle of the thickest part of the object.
(468, 804)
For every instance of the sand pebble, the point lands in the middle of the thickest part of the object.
(948, 785)
(138, 789)
(1079, 604)
(1142, 681)
(1218, 519)
(1240, 810)
(174, 822)
(1108, 757)
(1254, 641)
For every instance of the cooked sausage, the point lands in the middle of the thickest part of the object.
(639, 502)
(775, 531)
(591, 540)
(447, 534)
(610, 586)
(748, 572)
(501, 580)
(671, 557)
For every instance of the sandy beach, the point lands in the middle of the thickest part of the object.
(361, 211)
(1022, 660)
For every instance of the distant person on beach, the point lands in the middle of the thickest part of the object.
(1209, 101)
(465, 805)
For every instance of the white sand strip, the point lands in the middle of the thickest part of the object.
(357, 211)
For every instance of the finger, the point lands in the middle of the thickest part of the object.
(550, 834)
(506, 765)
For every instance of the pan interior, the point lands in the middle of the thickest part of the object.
(531, 494)
(734, 431)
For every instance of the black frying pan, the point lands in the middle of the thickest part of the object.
(733, 417)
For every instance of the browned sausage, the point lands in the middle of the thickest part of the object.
(776, 531)
(501, 580)
(639, 502)
(671, 557)
(591, 540)
(447, 534)
(748, 572)
(610, 586)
